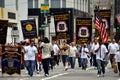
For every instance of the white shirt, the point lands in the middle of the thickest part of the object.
(56, 49)
(113, 48)
(25, 53)
(117, 56)
(31, 52)
(83, 52)
(73, 51)
(101, 52)
(95, 47)
(46, 50)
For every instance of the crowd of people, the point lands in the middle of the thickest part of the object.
(46, 55)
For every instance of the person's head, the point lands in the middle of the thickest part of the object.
(85, 45)
(46, 40)
(53, 42)
(27, 43)
(96, 40)
(113, 40)
(64, 42)
(32, 43)
(73, 44)
(100, 41)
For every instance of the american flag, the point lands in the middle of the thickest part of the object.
(101, 27)
(103, 32)
(98, 20)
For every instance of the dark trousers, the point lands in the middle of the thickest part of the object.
(91, 59)
(94, 60)
(56, 59)
(79, 61)
(118, 63)
(46, 63)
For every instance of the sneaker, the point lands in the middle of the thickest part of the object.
(46, 75)
(38, 72)
(66, 69)
(98, 75)
(106, 68)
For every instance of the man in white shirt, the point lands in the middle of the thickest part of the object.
(72, 54)
(113, 48)
(95, 46)
(31, 52)
(100, 58)
(56, 52)
(84, 53)
(47, 51)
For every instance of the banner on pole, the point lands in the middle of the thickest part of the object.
(83, 30)
(29, 29)
(62, 25)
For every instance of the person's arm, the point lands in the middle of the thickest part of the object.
(106, 51)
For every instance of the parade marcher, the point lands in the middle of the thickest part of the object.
(47, 51)
(91, 54)
(64, 52)
(25, 56)
(95, 46)
(31, 52)
(100, 58)
(84, 53)
(113, 48)
(39, 56)
(79, 58)
(56, 53)
(72, 54)
(39, 61)
(117, 58)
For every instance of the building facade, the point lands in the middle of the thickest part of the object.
(11, 15)
(76, 8)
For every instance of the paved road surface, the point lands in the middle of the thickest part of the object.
(58, 73)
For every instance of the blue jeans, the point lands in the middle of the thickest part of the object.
(84, 61)
(65, 58)
(72, 62)
(100, 66)
(30, 65)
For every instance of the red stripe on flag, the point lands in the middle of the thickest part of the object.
(103, 32)
(97, 24)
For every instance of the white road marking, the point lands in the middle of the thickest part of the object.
(24, 79)
(54, 76)
(90, 68)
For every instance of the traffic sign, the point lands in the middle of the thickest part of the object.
(45, 8)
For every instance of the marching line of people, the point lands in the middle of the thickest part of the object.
(45, 56)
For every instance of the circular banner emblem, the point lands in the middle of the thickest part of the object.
(28, 27)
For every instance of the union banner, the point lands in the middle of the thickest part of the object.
(63, 27)
(29, 29)
(83, 30)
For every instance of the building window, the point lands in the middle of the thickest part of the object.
(46, 1)
(64, 3)
(30, 3)
(36, 3)
(2, 3)
(55, 3)
(11, 15)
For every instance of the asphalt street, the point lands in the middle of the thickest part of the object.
(58, 73)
